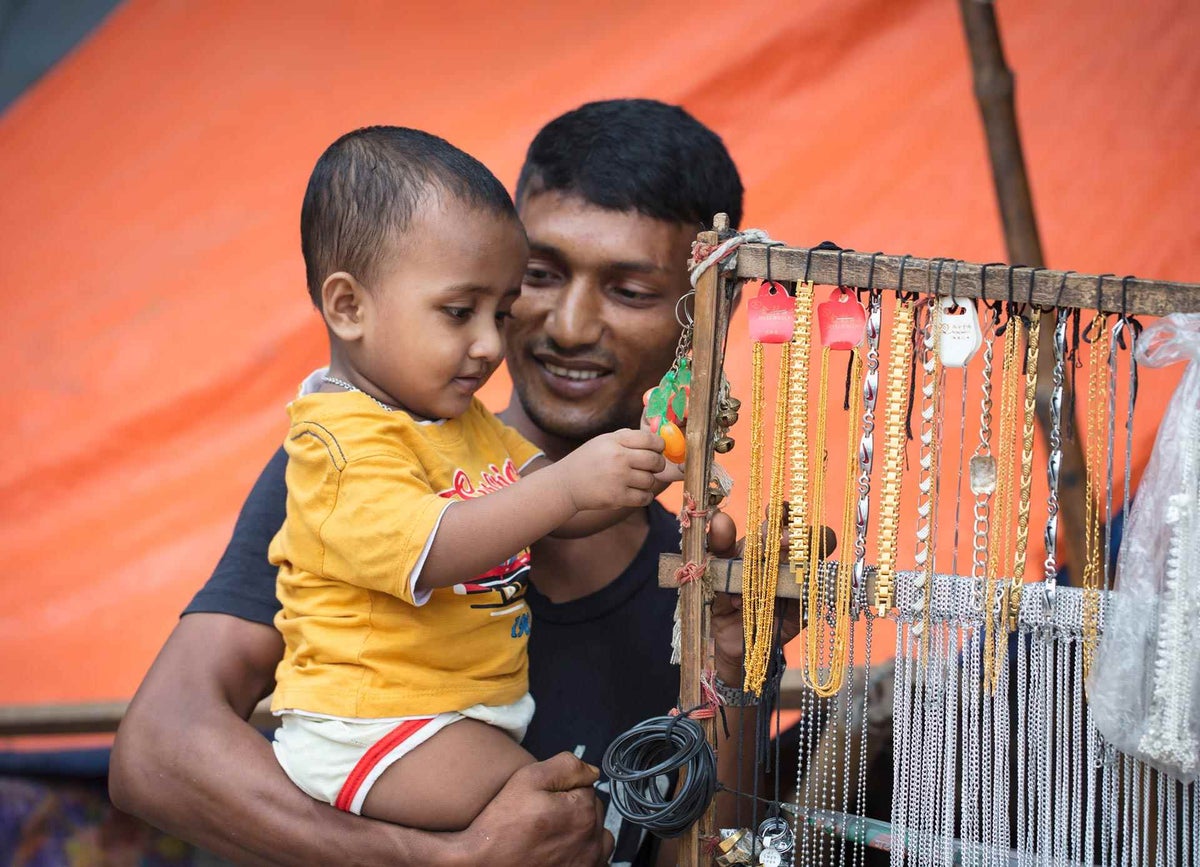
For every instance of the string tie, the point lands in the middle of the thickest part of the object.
(689, 511)
(704, 256)
(689, 572)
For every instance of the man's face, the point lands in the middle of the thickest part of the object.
(595, 325)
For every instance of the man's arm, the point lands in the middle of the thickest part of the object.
(186, 760)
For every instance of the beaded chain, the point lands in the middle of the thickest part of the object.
(761, 562)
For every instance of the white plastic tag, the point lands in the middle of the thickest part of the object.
(961, 336)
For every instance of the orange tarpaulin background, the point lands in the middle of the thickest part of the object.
(154, 310)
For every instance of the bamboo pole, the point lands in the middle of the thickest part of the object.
(711, 308)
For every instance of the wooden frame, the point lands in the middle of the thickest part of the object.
(716, 288)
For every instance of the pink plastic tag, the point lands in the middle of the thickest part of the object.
(842, 320)
(772, 314)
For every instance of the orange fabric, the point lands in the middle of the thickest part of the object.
(154, 311)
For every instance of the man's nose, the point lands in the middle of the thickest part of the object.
(574, 320)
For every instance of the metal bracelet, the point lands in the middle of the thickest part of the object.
(732, 696)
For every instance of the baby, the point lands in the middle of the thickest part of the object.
(403, 689)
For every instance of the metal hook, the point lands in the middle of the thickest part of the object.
(769, 280)
(807, 262)
(682, 298)
(839, 274)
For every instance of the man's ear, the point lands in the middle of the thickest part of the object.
(343, 304)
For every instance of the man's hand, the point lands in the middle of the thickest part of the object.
(613, 471)
(546, 814)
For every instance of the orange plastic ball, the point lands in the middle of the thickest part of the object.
(675, 446)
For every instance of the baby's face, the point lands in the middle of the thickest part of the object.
(434, 335)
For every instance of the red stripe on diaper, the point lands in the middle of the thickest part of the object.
(373, 756)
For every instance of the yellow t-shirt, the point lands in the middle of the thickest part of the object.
(366, 490)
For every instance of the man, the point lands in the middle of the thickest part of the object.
(611, 195)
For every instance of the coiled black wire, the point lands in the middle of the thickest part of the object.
(643, 765)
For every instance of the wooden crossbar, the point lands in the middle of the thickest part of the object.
(1134, 295)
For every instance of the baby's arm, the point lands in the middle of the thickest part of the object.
(612, 472)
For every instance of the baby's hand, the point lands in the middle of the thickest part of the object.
(615, 470)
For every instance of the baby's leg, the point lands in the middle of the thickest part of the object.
(443, 784)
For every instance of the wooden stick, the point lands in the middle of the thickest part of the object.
(97, 717)
(711, 322)
(994, 94)
(1142, 297)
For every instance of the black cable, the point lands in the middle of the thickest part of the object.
(643, 764)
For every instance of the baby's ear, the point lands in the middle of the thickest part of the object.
(343, 305)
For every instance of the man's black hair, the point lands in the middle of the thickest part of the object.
(635, 155)
(365, 188)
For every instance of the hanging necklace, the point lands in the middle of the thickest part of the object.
(799, 522)
(1026, 467)
(341, 383)
(866, 446)
(1000, 528)
(899, 359)
(1093, 570)
(927, 487)
(843, 326)
(1054, 461)
(772, 318)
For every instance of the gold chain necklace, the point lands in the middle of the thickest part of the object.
(760, 566)
(1002, 525)
(839, 606)
(799, 522)
(1094, 462)
(899, 359)
(1026, 480)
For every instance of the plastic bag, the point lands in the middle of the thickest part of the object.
(1144, 687)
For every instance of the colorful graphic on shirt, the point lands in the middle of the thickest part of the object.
(501, 588)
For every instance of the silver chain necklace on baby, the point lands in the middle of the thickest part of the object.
(341, 383)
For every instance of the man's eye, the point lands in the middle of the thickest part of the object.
(637, 296)
(535, 276)
(461, 313)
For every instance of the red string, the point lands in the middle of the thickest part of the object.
(710, 701)
(689, 572)
(690, 511)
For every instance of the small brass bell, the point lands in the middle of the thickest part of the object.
(723, 444)
(726, 419)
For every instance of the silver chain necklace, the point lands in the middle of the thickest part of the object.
(341, 383)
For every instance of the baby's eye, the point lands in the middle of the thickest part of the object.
(502, 315)
(458, 312)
